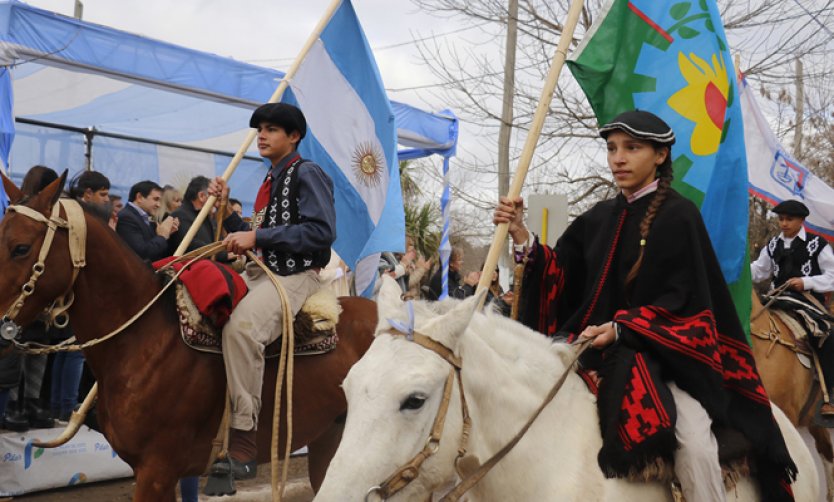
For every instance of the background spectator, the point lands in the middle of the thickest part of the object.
(93, 189)
(236, 207)
(455, 285)
(170, 202)
(118, 205)
(136, 226)
(196, 196)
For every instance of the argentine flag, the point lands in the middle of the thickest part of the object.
(352, 135)
(6, 130)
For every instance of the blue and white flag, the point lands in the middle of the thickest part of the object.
(6, 129)
(352, 135)
(776, 176)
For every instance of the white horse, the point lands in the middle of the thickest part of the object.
(395, 390)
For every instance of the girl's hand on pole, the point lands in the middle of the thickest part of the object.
(511, 211)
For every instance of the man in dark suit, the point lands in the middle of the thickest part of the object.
(195, 198)
(144, 236)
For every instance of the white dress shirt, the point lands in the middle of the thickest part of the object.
(762, 268)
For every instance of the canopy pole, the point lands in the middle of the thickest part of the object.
(276, 96)
(532, 138)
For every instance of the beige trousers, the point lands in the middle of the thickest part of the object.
(696, 459)
(255, 323)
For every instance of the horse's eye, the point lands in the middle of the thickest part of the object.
(413, 402)
(20, 250)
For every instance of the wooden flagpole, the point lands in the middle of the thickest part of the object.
(276, 96)
(532, 138)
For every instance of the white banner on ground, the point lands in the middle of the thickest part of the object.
(85, 458)
(776, 176)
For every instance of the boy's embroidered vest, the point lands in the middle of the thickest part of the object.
(801, 259)
(282, 210)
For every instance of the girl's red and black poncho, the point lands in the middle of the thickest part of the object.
(677, 323)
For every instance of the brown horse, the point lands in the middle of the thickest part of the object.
(160, 403)
(789, 384)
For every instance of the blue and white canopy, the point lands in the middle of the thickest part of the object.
(154, 110)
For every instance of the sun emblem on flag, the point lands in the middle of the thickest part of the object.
(703, 101)
(368, 163)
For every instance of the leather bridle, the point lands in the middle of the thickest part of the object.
(411, 470)
(77, 232)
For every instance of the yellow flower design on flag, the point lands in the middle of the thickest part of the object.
(703, 101)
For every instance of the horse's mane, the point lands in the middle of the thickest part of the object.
(515, 341)
(97, 219)
(510, 339)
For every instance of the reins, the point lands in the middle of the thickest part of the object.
(286, 366)
(472, 479)
(773, 294)
(67, 346)
(411, 470)
(772, 334)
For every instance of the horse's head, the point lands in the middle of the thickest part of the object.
(394, 393)
(30, 282)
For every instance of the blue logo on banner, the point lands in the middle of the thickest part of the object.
(30, 453)
(789, 174)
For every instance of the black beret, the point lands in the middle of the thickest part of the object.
(641, 125)
(287, 117)
(792, 208)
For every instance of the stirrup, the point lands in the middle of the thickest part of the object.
(220, 480)
(239, 470)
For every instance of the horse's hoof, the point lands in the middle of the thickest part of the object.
(218, 485)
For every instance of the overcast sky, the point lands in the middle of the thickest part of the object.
(271, 32)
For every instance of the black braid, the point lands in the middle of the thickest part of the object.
(665, 176)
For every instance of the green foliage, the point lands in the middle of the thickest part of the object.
(408, 184)
(421, 225)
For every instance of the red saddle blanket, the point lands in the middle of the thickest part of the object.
(215, 287)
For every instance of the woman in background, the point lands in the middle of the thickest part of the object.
(171, 201)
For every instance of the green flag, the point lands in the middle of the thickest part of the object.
(671, 58)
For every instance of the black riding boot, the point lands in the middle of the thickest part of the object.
(39, 418)
(16, 418)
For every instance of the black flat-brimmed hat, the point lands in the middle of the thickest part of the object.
(792, 208)
(287, 117)
(641, 125)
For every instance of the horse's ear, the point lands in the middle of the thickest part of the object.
(448, 328)
(389, 301)
(12, 191)
(52, 192)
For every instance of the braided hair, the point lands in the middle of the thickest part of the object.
(664, 177)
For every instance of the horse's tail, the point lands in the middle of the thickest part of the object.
(75, 422)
